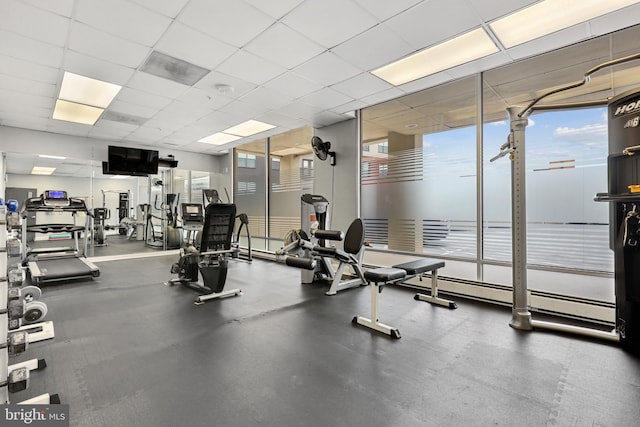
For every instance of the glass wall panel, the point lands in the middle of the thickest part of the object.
(419, 172)
(199, 181)
(291, 176)
(250, 190)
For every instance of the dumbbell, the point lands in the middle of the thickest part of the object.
(23, 308)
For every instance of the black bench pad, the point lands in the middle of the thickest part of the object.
(384, 274)
(419, 266)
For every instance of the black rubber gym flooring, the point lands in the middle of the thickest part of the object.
(129, 352)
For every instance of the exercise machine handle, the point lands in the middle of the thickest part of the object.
(329, 234)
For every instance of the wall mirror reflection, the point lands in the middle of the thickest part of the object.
(129, 214)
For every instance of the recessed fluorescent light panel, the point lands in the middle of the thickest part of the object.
(88, 91)
(46, 156)
(548, 16)
(248, 128)
(77, 113)
(41, 170)
(460, 50)
(83, 99)
(219, 138)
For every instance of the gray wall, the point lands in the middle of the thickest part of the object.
(340, 184)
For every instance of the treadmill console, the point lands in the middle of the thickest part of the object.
(55, 198)
(192, 216)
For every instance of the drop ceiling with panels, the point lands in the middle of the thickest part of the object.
(290, 63)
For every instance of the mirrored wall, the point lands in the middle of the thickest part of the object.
(130, 214)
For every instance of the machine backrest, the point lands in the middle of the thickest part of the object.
(354, 239)
(219, 219)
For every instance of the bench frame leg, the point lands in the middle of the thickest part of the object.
(373, 323)
(339, 285)
(433, 298)
(224, 294)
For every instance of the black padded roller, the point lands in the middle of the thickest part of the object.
(329, 234)
(298, 262)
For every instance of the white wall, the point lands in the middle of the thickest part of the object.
(36, 142)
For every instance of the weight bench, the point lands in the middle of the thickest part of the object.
(397, 274)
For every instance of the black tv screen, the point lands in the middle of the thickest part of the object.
(132, 161)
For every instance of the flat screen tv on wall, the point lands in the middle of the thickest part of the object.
(131, 161)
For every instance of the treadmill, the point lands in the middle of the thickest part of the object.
(50, 264)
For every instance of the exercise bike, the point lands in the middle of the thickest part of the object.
(209, 257)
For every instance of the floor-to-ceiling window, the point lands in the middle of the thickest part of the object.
(291, 176)
(250, 190)
(418, 172)
(273, 209)
(419, 166)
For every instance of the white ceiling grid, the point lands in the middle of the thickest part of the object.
(290, 63)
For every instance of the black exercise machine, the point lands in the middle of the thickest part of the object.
(57, 263)
(210, 258)
(350, 256)
(398, 274)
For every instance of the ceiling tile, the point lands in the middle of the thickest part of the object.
(327, 69)
(275, 8)
(193, 46)
(282, 45)
(101, 45)
(184, 112)
(361, 85)
(29, 21)
(122, 18)
(293, 85)
(278, 119)
(111, 129)
(169, 8)
(24, 122)
(385, 9)
(33, 110)
(385, 95)
(625, 17)
(211, 81)
(28, 70)
(233, 22)
(21, 47)
(550, 42)
(299, 110)
(153, 84)
(95, 68)
(28, 86)
(266, 98)
(139, 97)
(329, 22)
(326, 98)
(60, 7)
(388, 48)
(411, 25)
(249, 67)
(12, 100)
(240, 111)
(490, 10)
(349, 107)
(133, 109)
(326, 118)
(199, 97)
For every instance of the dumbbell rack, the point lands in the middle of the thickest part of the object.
(14, 338)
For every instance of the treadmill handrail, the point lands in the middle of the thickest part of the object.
(55, 228)
(35, 204)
